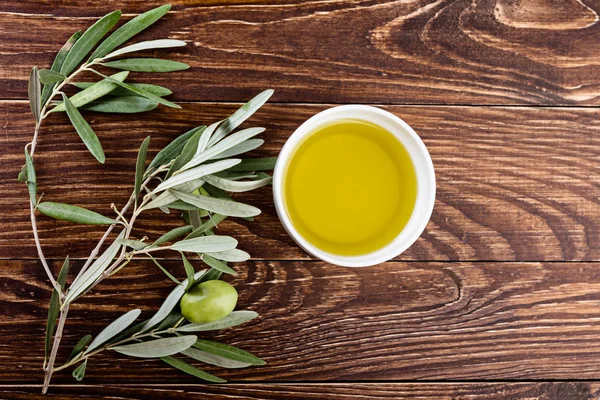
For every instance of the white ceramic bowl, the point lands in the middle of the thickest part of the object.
(421, 161)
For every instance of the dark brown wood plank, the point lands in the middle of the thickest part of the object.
(396, 321)
(326, 391)
(422, 51)
(513, 183)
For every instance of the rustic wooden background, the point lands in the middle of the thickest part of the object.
(499, 298)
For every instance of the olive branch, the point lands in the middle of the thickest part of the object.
(193, 174)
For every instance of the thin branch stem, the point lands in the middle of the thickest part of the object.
(55, 345)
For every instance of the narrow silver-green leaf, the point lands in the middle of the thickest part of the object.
(213, 359)
(255, 164)
(80, 346)
(75, 214)
(204, 244)
(241, 148)
(187, 153)
(164, 270)
(116, 327)
(34, 91)
(85, 131)
(235, 255)
(88, 40)
(31, 178)
(147, 45)
(217, 264)
(167, 198)
(172, 150)
(234, 319)
(146, 65)
(160, 91)
(157, 348)
(206, 135)
(196, 173)
(94, 271)
(173, 234)
(212, 221)
(191, 370)
(121, 105)
(134, 244)
(170, 303)
(49, 76)
(171, 320)
(189, 272)
(242, 114)
(219, 206)
(79, 372)
(129, 30)
(227, 351)
(54, 307)
(139, 91)
(93, 92)
(220, 147)
(140, 164)
(236, 186)
(57, 64)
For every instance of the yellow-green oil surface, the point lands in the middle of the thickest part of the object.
(350, 188)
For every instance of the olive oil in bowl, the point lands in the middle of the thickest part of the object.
(350, 187)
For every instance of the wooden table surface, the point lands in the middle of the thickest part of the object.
(498, 299)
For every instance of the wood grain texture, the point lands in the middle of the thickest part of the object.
(395, 321)
(328, 391)
(418, 51)
(513, 183)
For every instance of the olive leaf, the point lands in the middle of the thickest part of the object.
(129, 30)
(228, 352)
(34, 92)
(112, 330)
(85, 131)
(54, 307)
(255, 164)
(79, 372)
(241, 148)
(213, 220)
(236, 186)
(139, 166)
(196, 173)
(93, 92)
(88, 40)
(225, 144)
(190, 369)
(80, 346)
(164, 270)
(157, 348)
(139, 91)
(217, 264)
(242, 114)
(147, 45)
(31, 178)
(173, 234)
(172, 150)
(219, 206)
(134, 244)
(235, 255)
(210, 275)
(234, 319)
(187, 153)
(94, 271)
(204, 244)
(121, 105)
(167, 198)
(57, 64)
(157, 90)
(189, 272)
(75, 214)
(213, 359)
(49, 76)
(206, 135)
(146, 65)
(172, 319)
(169, 304)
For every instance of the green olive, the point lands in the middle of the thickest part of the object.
(208, 301)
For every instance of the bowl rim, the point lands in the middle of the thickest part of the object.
(426, 183)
